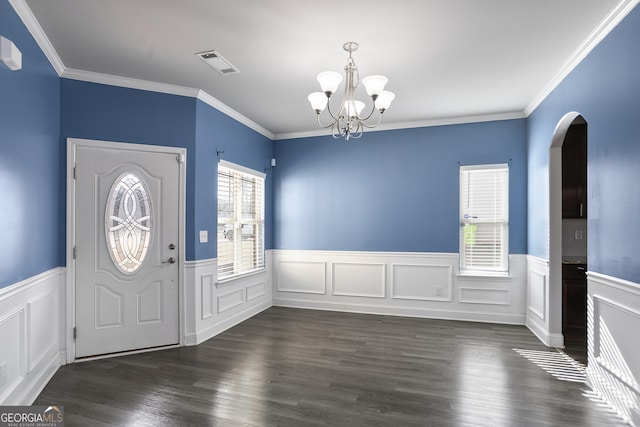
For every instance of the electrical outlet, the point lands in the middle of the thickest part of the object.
(204, 236)
(439, 291)
(578, 235)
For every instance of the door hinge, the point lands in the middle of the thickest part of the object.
(75, 252)
(75, 172)
(75, 333)
(180, 158)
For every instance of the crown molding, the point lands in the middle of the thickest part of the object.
(127, 82)
(509, 115)
(32, 24)
(597, 35)
(224, 108)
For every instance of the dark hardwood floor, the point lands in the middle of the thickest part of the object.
(291, 367)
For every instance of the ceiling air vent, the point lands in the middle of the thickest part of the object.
(217, 62)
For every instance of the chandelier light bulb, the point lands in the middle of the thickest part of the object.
(318, 101)
(353, 108)
(384, 100)
(329, 81)
(374, 84)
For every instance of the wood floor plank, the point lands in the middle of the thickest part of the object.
(293, 367)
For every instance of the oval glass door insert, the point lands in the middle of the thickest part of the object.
(128, 222)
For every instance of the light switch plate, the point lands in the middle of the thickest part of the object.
(204, 236)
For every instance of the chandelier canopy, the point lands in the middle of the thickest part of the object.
(349, 122)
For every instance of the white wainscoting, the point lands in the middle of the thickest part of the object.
(212, 307)
(404, 284)
(31, 336)
(538, 306)
(613, 320)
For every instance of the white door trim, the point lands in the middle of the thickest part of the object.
(72, 144)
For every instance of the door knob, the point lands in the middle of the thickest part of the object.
(171, 260)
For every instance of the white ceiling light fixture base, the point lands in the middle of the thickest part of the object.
(10, 55)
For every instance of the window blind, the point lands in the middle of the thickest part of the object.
(240, 234)
(484, 218)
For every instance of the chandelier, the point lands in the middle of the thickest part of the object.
(349, 122)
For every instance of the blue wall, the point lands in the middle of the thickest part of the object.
(30, 160)
(605, 89)
(216, 131)
(391, 190)
(110, 113)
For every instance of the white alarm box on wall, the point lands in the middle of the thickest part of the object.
(10, 54)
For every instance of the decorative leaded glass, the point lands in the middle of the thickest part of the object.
(128, 222)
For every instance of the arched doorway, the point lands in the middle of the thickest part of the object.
(568, 233)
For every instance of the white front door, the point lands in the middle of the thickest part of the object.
(126, 237)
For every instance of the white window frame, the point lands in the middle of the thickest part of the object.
(257, 257)
(486, 222)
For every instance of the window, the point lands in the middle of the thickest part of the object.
(484, 219)
(240, 220)
(128, 222)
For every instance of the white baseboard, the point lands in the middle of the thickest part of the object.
(547, 338)
(402, 311)
(30, 353)
(226, 323)
(32, 385)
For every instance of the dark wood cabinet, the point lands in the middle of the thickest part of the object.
(574, 172)
(574, 300)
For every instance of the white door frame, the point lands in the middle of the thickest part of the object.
(72, 144)
(554, 302)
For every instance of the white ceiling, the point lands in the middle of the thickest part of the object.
(446, 60)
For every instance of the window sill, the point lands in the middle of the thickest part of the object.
(221, 283)
(482, 274)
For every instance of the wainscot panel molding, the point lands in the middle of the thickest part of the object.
(397, 283)
(359, 279)
(613, 322)
(305, 277)
(212, 307)
(422, 282)
(537, 314)
(31, 334)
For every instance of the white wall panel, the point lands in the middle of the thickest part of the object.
(256, 290)
(31, 342)
(359, 279)
(42, 320)
(615, 343)
(538, 316)
(302, 277)
(422, 282)
(484, 296)
(12, 352)
(212, 307)
(397, 283)
(207, 290)
(537, 294)
(230, 300)
(613, 322)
